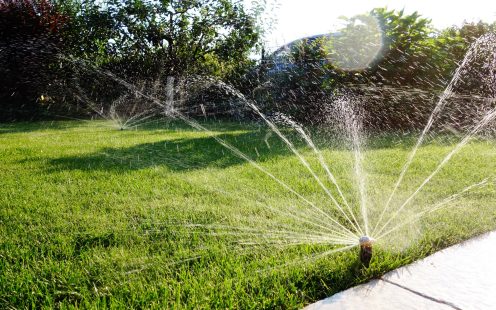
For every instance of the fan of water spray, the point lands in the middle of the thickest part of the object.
(342, 223)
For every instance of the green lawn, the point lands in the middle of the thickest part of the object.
(91, 216)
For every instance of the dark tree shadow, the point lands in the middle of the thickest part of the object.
(177, 155)
(26, 127)
(199, 152)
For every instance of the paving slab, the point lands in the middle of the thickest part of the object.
(459, 277)
(377, 294)
(464, 274)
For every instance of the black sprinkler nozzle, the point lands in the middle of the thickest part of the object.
(366, 250)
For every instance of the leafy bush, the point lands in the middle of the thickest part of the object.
(396, 63)
(29, 42)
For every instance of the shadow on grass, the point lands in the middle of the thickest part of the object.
(177, 155)
(199, 152)
(27, 127)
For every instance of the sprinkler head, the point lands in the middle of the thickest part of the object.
(365, 250)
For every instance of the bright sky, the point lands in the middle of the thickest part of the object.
(300, 18)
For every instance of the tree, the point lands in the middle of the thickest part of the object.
(370, 55)
(295, 78)
(140, 40)
(168, 37)
(29, 41)
(409, 43)
(146, 42)
(454, 43)
(356, 46)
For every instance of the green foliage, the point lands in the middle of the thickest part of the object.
(135, 39)
(453, 43)
(30, 38)
(455, 40)
(295, 78)
(409, 43)
(164, 37)
(358, 43)
(370, 56)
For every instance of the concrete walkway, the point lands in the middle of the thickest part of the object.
(460, 277)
